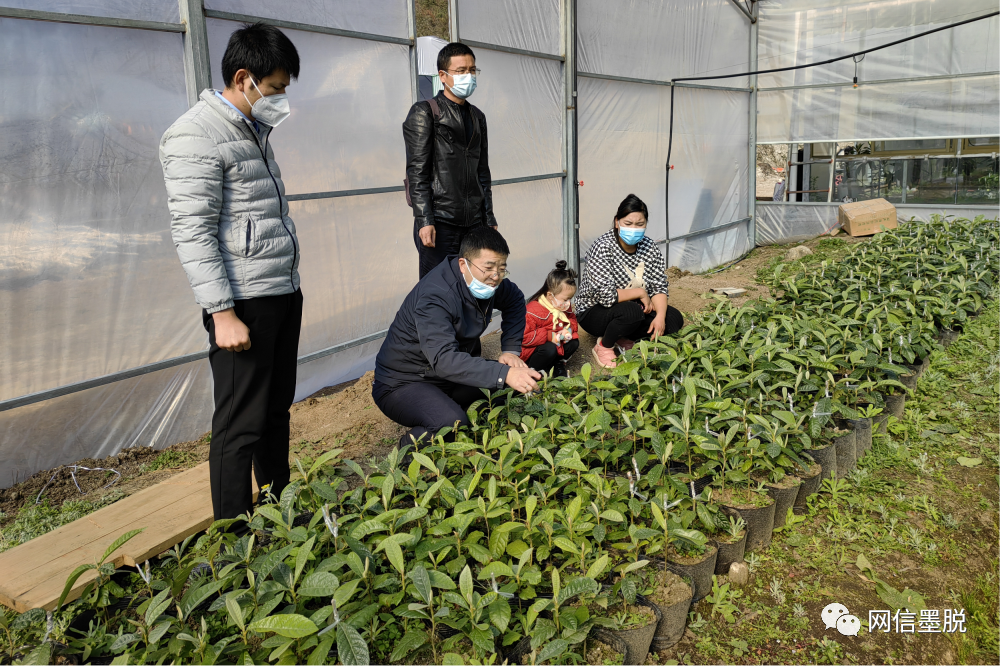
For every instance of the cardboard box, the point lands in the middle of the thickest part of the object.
(864, 218)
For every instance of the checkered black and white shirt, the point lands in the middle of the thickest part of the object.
(605, 272)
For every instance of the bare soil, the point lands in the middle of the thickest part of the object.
(668, 593)
(741, 498)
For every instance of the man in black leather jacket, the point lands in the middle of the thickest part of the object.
(447, 163)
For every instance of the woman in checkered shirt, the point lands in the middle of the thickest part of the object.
(623, 292)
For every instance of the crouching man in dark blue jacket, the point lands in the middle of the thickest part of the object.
(429, 369)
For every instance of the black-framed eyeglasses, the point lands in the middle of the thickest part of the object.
(475, 71)
(501, 273)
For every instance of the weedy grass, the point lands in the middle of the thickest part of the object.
(37, 519)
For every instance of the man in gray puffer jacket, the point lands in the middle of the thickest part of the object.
(238, 247)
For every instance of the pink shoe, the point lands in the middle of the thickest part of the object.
(625, 344)
(605, 357)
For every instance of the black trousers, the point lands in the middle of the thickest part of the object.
(253, 391)
(546, 357)
(626, 320)
(448, 240)
(425, 407)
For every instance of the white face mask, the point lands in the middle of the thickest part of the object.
(465, 85)
(271, 110)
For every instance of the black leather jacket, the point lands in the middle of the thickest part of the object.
(449, 181)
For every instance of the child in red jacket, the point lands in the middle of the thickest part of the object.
(550, 330)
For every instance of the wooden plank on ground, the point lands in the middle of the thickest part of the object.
(35, 573)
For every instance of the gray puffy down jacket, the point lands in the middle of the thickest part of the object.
(229, 215)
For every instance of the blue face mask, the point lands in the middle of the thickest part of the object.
(481, 290)
(465, 85)
(631, 236)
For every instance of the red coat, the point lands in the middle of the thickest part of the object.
(538, 325)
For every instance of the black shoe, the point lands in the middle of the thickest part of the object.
(559, 369)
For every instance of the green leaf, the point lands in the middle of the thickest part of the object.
(897, 600)
(196, 596)
(452, 659)
(346, 590)
(863, 564)
(395, 555)
(554, 648)
(302, 557)
(289, 626)
(566, 545)
(321, 655)
(635, 565)
(322, 584)
(351, 648)
(495, 569)
(500, 613)
(440, 580)
(465, 583)
(422, 583)
(598, 567)
(968, 462)
(410, 641)
(612, 515)
(235, 612)
(119, 542)
(576, 587)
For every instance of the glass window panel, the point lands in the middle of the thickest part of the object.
(348, 105)
(930, 181)
(91, 280)
(914, 144)
(985, 141)
(144, 10)
(377, 17)
(978, 180)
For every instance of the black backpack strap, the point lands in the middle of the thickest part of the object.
(435, 109)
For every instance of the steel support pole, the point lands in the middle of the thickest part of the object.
(411, 26)
(833, 169)
(453, 20)
(197, 67)
(571, 217)
(752, 148)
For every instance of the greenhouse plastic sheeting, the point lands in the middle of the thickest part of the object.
(622, 130)
(158, 409)
(376, 17)
(795, 222)
(796, 32)
(709, 182)
(707, 251)
(90, 279)
(532, 25)
(352, 286)
(663, 39)
(910, 110)
(529, 215)
(342, 133)
(522, 99)
(142, 10)
(964, 101)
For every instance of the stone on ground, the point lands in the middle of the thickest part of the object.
(797, 253)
